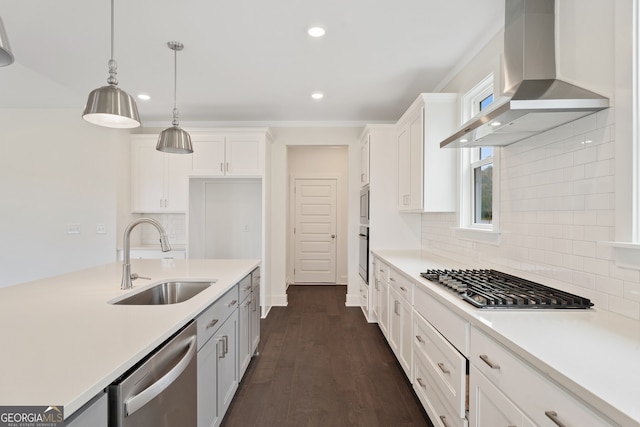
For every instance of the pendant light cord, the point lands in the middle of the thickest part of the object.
(175, 121)
(113, 66)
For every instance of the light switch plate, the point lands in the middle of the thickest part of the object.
(101, 229)
(73, 228)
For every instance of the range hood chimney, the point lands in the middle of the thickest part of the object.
(533, 100)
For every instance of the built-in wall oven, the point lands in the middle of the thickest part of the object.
(364, 206)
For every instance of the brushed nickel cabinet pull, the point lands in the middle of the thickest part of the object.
(403, 289)
(553, 416)
(421, 383)
(232, 303)
(212, 324)
(391, 279)
(443, 369)
(221, 167)
(444, 420)
(419, 338)
(486, 360)
(220, 346)
(396, 308)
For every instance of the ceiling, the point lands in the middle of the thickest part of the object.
(244, 60)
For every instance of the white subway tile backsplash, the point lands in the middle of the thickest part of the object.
(556, 204)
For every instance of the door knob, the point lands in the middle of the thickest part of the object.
(333, 236)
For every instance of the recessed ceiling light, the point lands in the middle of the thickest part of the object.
(144, 97)
(495, 124)
(317, 95)
(316, 31)
(464, 140)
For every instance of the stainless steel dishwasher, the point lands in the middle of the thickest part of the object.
(162, 390)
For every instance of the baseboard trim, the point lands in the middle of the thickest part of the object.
(279, 300)
(353, 300)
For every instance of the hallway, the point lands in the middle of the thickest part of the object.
(322, 364)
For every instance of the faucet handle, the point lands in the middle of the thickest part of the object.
(135, 276)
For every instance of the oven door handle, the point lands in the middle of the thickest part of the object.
(132, 404)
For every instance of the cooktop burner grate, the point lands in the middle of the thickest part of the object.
(494, 289)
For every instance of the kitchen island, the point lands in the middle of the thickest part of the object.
(63, 341)
(591, 354)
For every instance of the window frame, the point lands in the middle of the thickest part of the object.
(469, 161)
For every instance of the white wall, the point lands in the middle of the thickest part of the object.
(287, 137)
(55, 170)
(559, 190)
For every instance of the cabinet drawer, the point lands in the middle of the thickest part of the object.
(255, 279)
(381, 270)
(244, 288)
(444, 363)
(210, 320)
(402, 285)
(439, 413)
(541, 399)
(364, 296)
(444, 320)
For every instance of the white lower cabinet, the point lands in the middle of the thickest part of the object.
(488, 406)
(400, 314)
(544, 402)
(93, 414)
(430, 396)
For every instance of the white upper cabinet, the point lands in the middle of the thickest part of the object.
(427, 174)
(364, 159)
(159, 180)
(228, 153)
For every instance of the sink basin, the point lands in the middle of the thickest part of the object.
(166, 293)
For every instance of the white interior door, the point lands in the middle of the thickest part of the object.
(315, 231)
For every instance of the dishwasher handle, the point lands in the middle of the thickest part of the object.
(132, 404)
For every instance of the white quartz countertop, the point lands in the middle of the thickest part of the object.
(595, 354)
(62, 342)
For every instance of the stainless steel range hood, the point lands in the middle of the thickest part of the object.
(533, 100)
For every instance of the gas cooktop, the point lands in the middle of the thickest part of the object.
(494, 289)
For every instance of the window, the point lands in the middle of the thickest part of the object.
(479, 183)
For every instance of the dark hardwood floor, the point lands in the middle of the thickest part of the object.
(322, 364)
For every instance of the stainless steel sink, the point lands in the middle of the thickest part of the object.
(165, 293)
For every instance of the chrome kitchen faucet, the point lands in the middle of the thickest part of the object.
(126, 264)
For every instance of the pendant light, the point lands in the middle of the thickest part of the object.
(6, 57)
(175, 139)
(110, 106)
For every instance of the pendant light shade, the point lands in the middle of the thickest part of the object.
(175, 139)
(110, 106)
(6, 57)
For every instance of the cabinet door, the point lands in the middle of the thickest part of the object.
(227, 362)
(404, 168)
(93, 414)
(364, 160)
(208, 413)
(375, 298)
(244, 155)
(244, 335)
(489, 407)
(255, 320)
(405, 352)
(147, 177)
(208, 155)
(383, 318)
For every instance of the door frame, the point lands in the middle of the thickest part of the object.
(340, 217)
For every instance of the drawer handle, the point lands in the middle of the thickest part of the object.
(248, 288)
(421, 383)
(212, 323)
(553, 416)
(419, 338)
(403, 288)
(444, 420)
(248, 303)
(232, 303)
(395, 309)
(486, 360)
(391, 279)
(443, 369)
